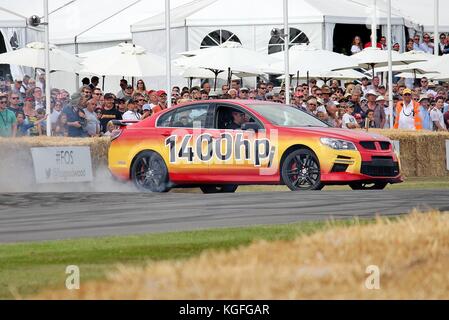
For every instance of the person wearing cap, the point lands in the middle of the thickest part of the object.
(109, 112)
(75, 117)
(269, 96)
(407, 113)
(424, 112)
(379, 112)
(348, 120)
(244, 93)
(162, 103)
(153, 98)
(132, 114)
(147, 112)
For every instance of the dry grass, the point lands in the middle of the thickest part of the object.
(412, 254)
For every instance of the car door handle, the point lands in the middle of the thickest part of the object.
(166, 134)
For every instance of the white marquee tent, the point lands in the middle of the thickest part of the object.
(16, 34)
(252, 20)
(104, 23)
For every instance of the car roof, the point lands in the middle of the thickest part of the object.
(233, 101)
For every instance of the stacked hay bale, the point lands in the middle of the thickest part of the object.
(422, 153)
(16, 163)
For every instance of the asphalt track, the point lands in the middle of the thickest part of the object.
(50, 216)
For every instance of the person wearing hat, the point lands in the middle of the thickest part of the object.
(147, 112)
(109, 111)
(162, 103)
(132, 114)
(424, 112)
(407, 113)
(379, 112)
(244, 93)
(348, 120)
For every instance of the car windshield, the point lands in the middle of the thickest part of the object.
(287, 116)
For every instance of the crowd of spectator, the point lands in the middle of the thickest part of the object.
(426, 44)
(88, 112)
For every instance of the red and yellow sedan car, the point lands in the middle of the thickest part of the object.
(218, 145)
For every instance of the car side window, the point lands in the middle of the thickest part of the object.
(225, 118)
(188, 117)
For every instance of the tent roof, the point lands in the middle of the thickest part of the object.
(422, 12)
(79, 15)
(255, 12)
(11, 19)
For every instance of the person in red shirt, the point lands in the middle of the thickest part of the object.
(162, 105)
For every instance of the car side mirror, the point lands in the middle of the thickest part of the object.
(251, 126)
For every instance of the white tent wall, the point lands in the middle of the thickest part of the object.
(154, 42)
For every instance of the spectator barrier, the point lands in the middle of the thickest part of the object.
(423, 154)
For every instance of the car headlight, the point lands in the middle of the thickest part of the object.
(338, 144)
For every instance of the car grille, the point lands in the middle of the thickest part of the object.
(385, 145)
(380, 167)
(369, 145)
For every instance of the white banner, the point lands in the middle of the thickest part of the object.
(62, 164)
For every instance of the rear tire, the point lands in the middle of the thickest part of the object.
(227, 188)
(149, 172)
(301, 171)
(368, 186)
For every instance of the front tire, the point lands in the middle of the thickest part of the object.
(368, 186)
(301, 171)
(149, 172)
(228, 188)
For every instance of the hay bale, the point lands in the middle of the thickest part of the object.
(16, 163)
(423, 153)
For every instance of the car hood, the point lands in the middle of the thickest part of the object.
(337, 133)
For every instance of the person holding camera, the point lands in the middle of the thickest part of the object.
(76, 118)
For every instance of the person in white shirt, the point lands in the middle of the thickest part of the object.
(349, 122)
(436, 115)
(356, 45)
(416, 43)
(131, 114)
(426, 45)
